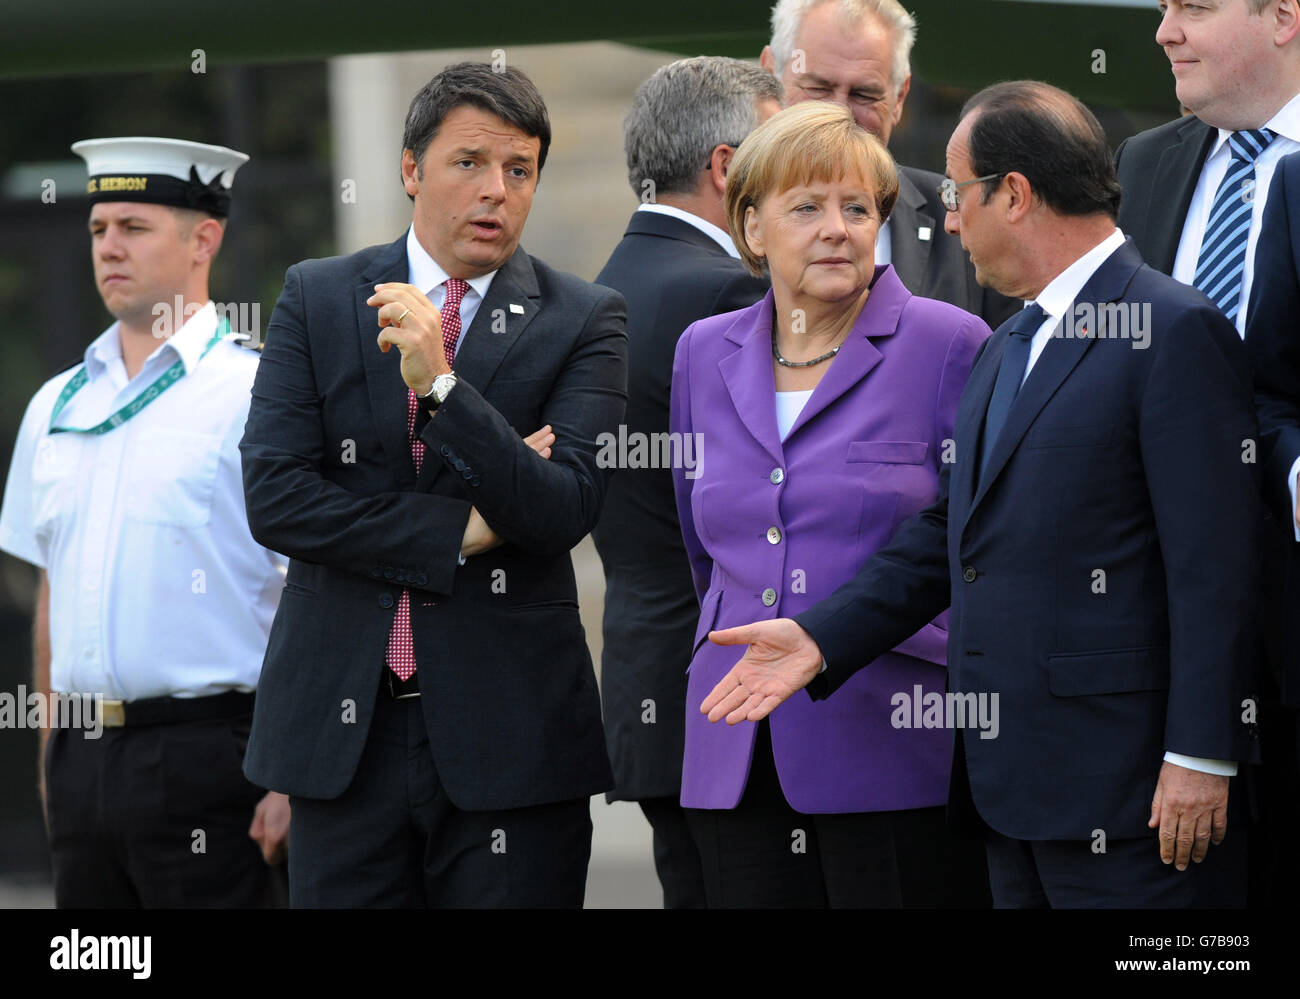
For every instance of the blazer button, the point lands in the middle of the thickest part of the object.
(377, 573)
(467, 474)
(769, 597)
(777, 476)
(444, 451)
(421, 580)
(773, 535)
(474, 482)
(969, 574)
(385, 600)
(389, 572)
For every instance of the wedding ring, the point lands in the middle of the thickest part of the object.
(398, 320)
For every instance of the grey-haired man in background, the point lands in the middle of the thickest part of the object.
(675, 264)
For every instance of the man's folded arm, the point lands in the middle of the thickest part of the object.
(900, 589)
(544, 506)
(294, 510)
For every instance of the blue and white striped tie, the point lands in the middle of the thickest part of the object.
(1223, 250)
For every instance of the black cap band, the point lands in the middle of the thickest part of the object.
(162, 189)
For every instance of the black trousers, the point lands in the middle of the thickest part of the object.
(1069, 875)
(155, 817)
(764, 854)
(677, 859)
(394, 839)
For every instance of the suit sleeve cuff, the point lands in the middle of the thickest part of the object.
(1220, 768)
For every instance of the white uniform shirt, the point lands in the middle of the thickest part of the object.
(156, 586)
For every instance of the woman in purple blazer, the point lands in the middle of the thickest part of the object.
(822, 416)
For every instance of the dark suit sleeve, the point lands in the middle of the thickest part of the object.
(293, 509)
(1195, 421)
(897, 591)
(1271, 338)
(679, 422)
(545, 506)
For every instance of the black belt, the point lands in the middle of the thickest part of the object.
(397, 688)
(175, 710)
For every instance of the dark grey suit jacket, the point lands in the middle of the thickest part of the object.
(671, 275)
(507, 688)
(929, 261)
(1158, 170)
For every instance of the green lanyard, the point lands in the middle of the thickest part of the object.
(160, 385)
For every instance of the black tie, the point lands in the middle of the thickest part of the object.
(1014, 359)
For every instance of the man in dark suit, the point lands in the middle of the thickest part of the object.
(1236, 67)
(428, 700)
(1194, 196)
(676, 264)
(857, 53)
(1095, 536)
(1271, 338)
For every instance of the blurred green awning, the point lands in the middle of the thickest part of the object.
(965, 43)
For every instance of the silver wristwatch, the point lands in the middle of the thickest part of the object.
(442, 386)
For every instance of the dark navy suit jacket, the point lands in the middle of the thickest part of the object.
(1124, 462)
(507, 689)
(1273, 339)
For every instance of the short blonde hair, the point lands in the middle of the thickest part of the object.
(814, 141)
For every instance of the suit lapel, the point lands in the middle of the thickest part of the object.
(909, 253)
(387, 390)
(512, 302)
(1060, 357)
(1177, 173)
(747, 373)
(969, 424)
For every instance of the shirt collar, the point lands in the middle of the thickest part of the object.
(188, 343)
(719, 236)
(1063, 289)
(1285, 123)
(425, 273)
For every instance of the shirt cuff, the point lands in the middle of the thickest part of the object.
(1220, 768)
(460, 559)
(825, 666)
(1291, 484)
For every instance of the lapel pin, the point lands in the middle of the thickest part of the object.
(518, 310)
(924, 233)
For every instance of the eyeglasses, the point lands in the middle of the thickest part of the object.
(949, 188)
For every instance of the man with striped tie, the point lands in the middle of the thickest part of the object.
(1194, 197)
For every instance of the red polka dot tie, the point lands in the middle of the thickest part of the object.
(401, 643)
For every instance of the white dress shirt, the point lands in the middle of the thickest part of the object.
(1055, 300)
(885, 243)
(788, 407)
(156, 586)
(1285, 125)
(719, 236)
(424, 273)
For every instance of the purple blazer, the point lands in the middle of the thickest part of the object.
(863, 456)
